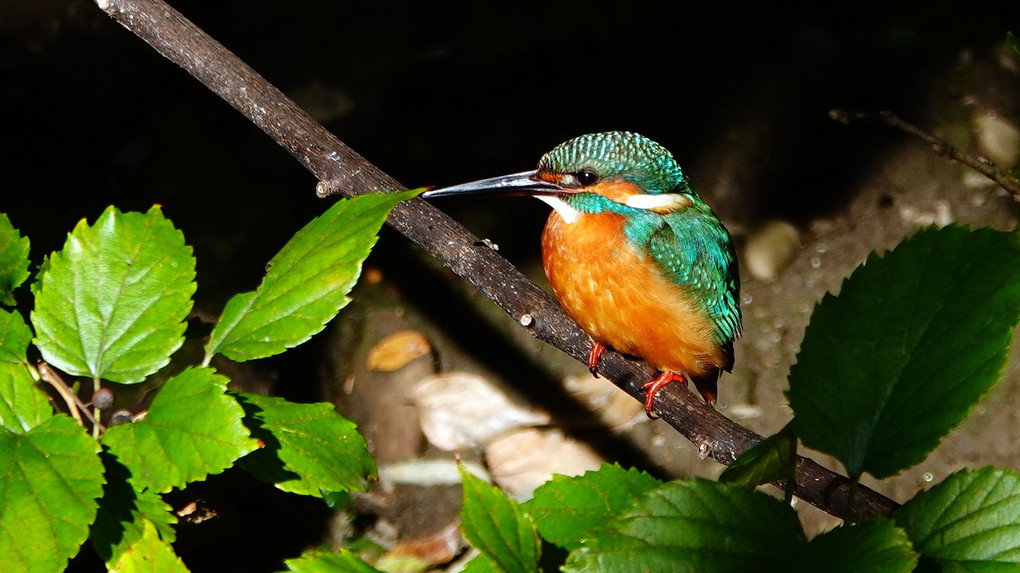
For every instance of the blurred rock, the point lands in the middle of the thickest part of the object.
(997, 138)
(460, 410)
(525, 459)
(614, 408)
(425, 471)
(771, 249)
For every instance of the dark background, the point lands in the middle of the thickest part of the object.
(440, 93)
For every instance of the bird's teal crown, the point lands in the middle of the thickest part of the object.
(619, 155)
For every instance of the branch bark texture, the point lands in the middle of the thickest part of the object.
(340, 169)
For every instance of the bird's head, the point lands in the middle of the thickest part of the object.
(616, 170)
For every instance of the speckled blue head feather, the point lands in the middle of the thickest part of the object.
(619, 155)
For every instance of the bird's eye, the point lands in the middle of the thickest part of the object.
(587, 177)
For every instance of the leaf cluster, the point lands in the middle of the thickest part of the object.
(109, 313)
(624, 520)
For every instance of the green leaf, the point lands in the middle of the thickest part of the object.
(321, 562)
(113, 302)
(968, 567)
(149, 553)
(565, 508)
(495, 525)
(307, 282)
(772, 459)
(877, 546)
(693, 526)
(309, 448)
(36, 286)
(337, 500)
(15, 336)
(481, 564)
(13, 260)
(192, 429)
(972, 519)
(23, 405)
(914, 339)
(51, 479)
(124, 512)
(1013, 42)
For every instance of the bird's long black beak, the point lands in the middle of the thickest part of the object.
(525, 183)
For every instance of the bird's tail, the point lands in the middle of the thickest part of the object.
(708, 385)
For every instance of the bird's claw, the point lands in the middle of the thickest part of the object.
(652, 389)
(594, 355)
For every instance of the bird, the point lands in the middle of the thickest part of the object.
(634, 256)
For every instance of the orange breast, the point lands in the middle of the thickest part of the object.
(619, 297)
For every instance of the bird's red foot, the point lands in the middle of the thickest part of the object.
(652, 388)
(594, 355)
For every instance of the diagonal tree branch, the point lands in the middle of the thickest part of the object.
(340, 169)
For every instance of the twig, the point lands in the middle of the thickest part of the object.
(341, 169)
(940, 146)
(74, 403)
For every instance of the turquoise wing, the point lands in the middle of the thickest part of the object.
(695, 250)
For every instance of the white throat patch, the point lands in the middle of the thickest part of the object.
(569, 214)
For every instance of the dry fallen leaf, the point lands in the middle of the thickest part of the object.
(461, 410)
(394, 351)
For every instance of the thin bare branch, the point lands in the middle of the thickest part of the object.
(340, 169)
(74, 403)
(940, 146)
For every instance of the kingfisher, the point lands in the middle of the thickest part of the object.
(634, 256)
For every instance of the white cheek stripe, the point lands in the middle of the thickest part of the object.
(569, 214)
(662, 202)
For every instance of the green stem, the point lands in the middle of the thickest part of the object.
(96, 428)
